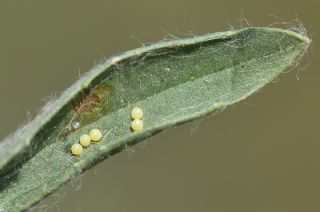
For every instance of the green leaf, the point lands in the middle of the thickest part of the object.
(172, 81)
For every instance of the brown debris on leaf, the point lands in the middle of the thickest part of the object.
(88, 104)
(91, 101)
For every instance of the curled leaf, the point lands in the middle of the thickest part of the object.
(172, 81)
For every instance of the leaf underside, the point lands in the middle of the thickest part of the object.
(173, 82)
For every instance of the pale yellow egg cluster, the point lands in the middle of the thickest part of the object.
(136, 115)
(85, 140)
(95, 135)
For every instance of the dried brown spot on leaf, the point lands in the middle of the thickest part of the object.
(92, 101)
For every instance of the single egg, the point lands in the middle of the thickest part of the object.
(85, 140)
(76, 149)
(137, 125)
(75, 125)
(95, 135)
(136, 113)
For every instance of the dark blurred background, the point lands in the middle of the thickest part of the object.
(259, 155)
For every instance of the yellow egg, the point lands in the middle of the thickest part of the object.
(76, 149)
(85, 140)
(137, 125)
(136, 113)
(95, 135)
